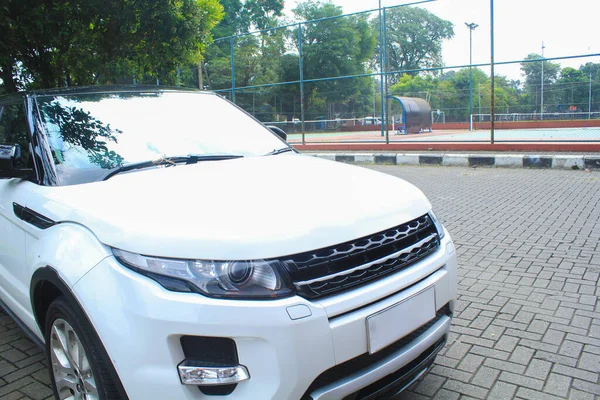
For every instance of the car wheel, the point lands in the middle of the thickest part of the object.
(79, 367)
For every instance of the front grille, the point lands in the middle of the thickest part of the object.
(365, 361)
(337, 268)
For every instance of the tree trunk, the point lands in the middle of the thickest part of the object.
(207, 77)
(7, 77)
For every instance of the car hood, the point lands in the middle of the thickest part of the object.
(248, 208)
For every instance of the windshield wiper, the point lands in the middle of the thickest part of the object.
(279, 151)
(169, 161)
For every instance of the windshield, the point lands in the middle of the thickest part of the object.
(88, 134)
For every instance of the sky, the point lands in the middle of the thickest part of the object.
(565, 27)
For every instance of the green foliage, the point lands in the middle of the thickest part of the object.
(49, 44)
(335, 47)
(450, 92)
(256, 56)
(532, 70)
(341, 46)
(80, 129)
(565, 89)
(414, 39)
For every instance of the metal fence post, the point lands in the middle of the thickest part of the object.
(232, 69)
(381, 68)
(492, 113)
(300, 65)
(386, 114)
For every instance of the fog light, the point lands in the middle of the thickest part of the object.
(198, 375)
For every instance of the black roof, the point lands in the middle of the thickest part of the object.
(16, 97)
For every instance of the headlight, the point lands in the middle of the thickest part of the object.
(254, 279)
(438, 225)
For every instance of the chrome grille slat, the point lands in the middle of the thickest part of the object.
(362, 269)
(333, 269)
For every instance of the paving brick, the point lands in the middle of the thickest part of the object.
(23, 372)
(506, 343)
(534, 344)
(481, 323)
(528, 394)
(575, 373)
(571, 349)
(591, 349)
(446, 362)
(458, 350)
(23, 344)
(580, 395)
(13, 355)
(11, 387)
(430, 385)
(538, 326)
(521, 380)
(470, 363)
(558, 385)
(493, 332)
(587, 387)
(587, 340)
(553, 337)
(521, 355)
(486, 352)
(445, 394)
(13, 396)
(485, 377)
(557, 358)
(589, 362)
(451, 373)
(30, 360)
(466, 339)
(581, 322)
(538, 369)
(502, 391)
(42, 376)
(466, 389)
(504, 365)
(36, 391)
(6, 368)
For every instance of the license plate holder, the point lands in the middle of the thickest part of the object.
(398, 320)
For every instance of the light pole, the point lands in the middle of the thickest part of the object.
(471, 27)
(542, 91)
(590, 99)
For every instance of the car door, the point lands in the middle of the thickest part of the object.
(14, 276)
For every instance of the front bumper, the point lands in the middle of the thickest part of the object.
(140, 324)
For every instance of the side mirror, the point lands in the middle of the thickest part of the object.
(278, 131)
(9, 154)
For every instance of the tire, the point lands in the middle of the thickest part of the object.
(79, 365)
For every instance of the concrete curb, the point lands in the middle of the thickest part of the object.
(573, 162)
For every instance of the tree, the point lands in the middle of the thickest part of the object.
(49, 44)
(79, 128)
(532, 70)
(335, 47)
(592, 71)
(263, 13)
(255, 56)
(414, 39)
(573, 88)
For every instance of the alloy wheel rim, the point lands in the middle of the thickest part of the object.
(71, 368)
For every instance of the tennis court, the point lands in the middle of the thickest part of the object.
(590, 134)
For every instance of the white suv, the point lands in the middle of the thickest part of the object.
(163, 244)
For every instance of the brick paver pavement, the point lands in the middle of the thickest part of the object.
(528, 319)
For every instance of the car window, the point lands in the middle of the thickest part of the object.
(88, 134)
(13, 130)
